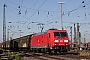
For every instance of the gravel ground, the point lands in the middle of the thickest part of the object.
(84, 52)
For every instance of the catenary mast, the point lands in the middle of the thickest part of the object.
(4, 28)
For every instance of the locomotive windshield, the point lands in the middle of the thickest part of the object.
(59, 34)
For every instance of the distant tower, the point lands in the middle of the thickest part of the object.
(4, 28)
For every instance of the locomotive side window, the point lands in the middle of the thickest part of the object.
(49, 35)
(58, 34)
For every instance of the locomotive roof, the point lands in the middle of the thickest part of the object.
(45, 32)
(40, 33)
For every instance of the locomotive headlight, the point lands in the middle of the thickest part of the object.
(56, 41)
(65, 40)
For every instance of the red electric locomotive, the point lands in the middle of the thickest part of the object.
(52, 41)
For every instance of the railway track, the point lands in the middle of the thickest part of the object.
(41, 56)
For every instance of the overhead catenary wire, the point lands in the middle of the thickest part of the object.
(58, 11)
(76, 8)
(36, 10)
(50, 19)
(34, 3)
(31, 7)
(68, 13)
(50, 11)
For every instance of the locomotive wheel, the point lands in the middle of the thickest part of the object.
(55, 52)
(51, 52)
(45, 50)
(37, 50)
(42, 50)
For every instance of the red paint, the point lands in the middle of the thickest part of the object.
(48, 39)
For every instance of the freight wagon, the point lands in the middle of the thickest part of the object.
(1, 45)
(83, 46)
(18, 44)
(23, 42)
(11, 45)
(1, 50)
(88, 45)
(74, 46)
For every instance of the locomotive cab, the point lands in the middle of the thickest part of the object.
(58, 40)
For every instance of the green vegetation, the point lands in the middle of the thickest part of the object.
(17, 57)
(14, 56)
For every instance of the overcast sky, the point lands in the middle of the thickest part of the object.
(23, 12)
